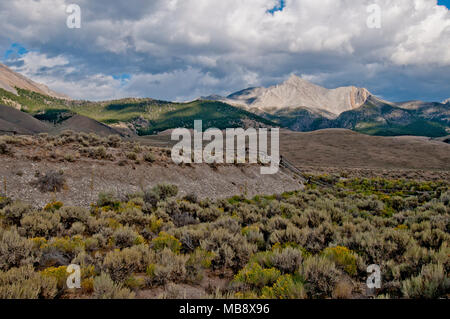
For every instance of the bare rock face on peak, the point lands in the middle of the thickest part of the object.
(299, 93)
(10, 80)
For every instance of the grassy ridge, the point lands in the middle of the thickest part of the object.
(149, 116)
(424, 128)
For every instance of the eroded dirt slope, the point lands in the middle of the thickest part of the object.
(123, 168)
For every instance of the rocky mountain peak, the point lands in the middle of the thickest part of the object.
(297, 92)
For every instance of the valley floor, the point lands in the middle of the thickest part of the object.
(314, 243)
(142, 227)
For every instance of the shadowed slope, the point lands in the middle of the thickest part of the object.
(20, 122)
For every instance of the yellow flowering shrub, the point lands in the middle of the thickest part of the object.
(88, 272)
(139, 240)
(113, 223)
(39, 242)
(246, 295)
(343, 257)
(256, 277)
(247, 230)
(67, 244)
(53, 206)
(165, 240)
(58, 273)
(151, 268)
(284, 288)
(201, 257)
(401, 227)
(155, 224)
(87, 285)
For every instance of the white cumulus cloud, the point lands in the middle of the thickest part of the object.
(180, 49)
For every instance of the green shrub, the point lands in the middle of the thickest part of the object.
(114, 141)
(70, 215)
(230, 250)
(124, 237)
(108, 199)
(253, 276)
(197, 262)
(41, 224)
(284, 288)
(5, 149)
(132, 216)
(121, 264)
(67, 246)
(432, 282)
(4, 201)
(377, 247)
(174, 291)
(445, 198)
(59, 274)
(167, 266)
(25, 283)
(342, 257)
(77, 229)
(288, 260)
(149, 157)
(254, 235)
(14, 212)
(96, 152)
(165, 240)
(53, 206)
(106, 288)
(165, 191)
(131, 156)
(289, 235)
(189, 238)
(320, 275)
(191, 197)
(52, 181)
(15, 251)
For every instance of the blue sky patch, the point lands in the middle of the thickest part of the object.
(279, 7)
(124, 78)
(444, 3)
(15, 50)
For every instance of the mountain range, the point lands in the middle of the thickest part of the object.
(295, 104)
(299, 93)
(302, 106)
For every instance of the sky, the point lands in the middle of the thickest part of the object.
(183, 49)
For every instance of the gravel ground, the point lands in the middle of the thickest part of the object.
(85, 178)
